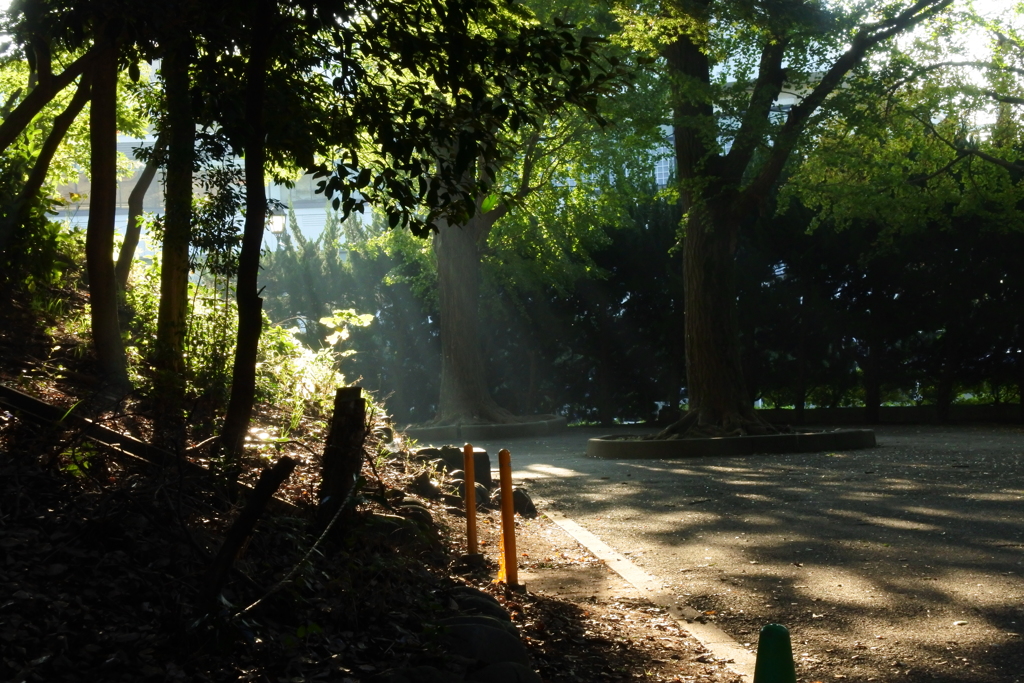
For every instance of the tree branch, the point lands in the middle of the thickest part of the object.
(1008, 165)
(1005, 99)
(920, 71)
(39, 97)
(133, 230)
(770, 78)
(867, 37)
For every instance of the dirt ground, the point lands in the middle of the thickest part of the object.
(902, 562)
(583, 622)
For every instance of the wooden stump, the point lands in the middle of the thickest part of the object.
(343, 452)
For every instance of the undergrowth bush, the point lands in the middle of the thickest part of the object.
(289, 375)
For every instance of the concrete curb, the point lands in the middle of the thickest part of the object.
(721, 645)
(617, 448)
(550, 424)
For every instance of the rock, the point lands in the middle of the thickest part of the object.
(481, 620)
(423, 486)
(397, 530)
(485, 644)
(480, 603)
(456, 475)
(423, 454)
(521, 502)
(505, 672)
(416, 512)
(483, 496)
(470, 591)
(414, 674)
(470, 563)
(454, 460)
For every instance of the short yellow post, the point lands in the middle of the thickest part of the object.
(508, 518)
(470, 498)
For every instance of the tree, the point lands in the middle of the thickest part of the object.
(940, 153)
(564, 153)
(92, 40)
(728, 63)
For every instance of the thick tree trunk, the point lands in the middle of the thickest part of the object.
(714, 373)
(943, 396)
(800, 402)
(99, 240)
(133, 231)
(464, 394)
(61, 123)
(872, 384)
(718, 192)
(718, 398)
(172, 316)
(250, 305)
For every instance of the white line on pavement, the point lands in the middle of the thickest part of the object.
(723, 646)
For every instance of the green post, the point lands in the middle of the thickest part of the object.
(774, 656)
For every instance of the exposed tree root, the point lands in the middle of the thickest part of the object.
(696, 424)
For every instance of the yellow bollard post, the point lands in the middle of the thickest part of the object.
(470, 498)
(508, 518)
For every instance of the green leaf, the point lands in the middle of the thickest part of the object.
(490, 203)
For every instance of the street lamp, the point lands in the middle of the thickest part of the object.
(275, 224)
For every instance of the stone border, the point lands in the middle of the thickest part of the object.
(551, 424)
(617, 448)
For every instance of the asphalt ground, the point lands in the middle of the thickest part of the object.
(901, 562)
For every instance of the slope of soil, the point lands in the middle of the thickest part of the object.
(104, 560)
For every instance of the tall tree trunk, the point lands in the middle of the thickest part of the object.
(943, 395)
(714, 373)
(250, 305)
(872, 384)
(133, 231)
(172, 316)
(800, 403)
(464, 394)
(99, 240)
(61, 123)
(716, 390)
(719, 190)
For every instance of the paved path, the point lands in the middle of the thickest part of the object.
(902, 562)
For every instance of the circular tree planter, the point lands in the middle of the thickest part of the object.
(625, 447)
(543, 425)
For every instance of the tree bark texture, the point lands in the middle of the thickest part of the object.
(464, 394)
(133, 231)
(716, 389)
(872, 384)
(99, 240)
(61, 123)
(343, 452)
(250, 305)
(173, 312)
(714, 372)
